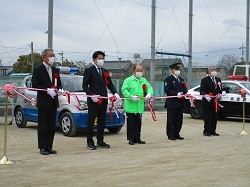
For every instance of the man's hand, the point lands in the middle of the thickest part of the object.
(60, 92)
(135, 98)
(179, 94)
(148, 96)
(117, 96)
(223, 93)
(207, 98)
(51, 92)
(95, 99)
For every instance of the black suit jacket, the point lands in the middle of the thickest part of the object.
(41, 80)
(93, 84)
(207, 86)
(171, 87)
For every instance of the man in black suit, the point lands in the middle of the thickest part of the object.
(46, 77)
(210, 86)
(95, 82)
(174, 85)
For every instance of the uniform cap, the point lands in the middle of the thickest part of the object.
(175, 66)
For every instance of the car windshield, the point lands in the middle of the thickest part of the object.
(72, 83)
(246, 84)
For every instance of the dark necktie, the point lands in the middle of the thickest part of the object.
(215, 85)
(100, 73)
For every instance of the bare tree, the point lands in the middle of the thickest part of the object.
(227, 62)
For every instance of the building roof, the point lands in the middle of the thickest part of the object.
(161, 62)
(117, 65)
(6, 67)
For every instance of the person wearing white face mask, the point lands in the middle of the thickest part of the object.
(96, 80)
(44, 78)
(210, 86)
(136, 89)
(174, 85)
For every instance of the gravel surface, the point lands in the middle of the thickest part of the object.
(195, 161)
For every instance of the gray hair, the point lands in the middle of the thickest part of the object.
(44, 52)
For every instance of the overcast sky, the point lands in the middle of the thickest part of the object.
(80, 27)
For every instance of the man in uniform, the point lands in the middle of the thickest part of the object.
(210, 86)
(174, 85)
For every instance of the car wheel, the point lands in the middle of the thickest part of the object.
(114, 130)
(196, 112)
(19, 118)
(67, 124)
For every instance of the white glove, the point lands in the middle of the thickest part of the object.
(51, 92)
(179, 94)
(148, 96)
(117, 96)
(95, 99)
(135, 98)
(223, 93)
(60, 92)
(207, 98)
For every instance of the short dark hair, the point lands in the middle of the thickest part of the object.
(95, 54)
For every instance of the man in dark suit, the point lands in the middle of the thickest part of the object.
(174, 85)
(95, 82)
(210, 86)
(46, 77)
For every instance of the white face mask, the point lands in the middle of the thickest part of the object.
(213, 73)
(138, 74)
(100, 62)
(51, 60)
(177, 72)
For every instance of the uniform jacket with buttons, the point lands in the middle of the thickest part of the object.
(171, 87)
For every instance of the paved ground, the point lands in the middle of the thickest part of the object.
(195, 161)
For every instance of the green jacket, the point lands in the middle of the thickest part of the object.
(133, 86)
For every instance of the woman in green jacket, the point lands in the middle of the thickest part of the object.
(135, 90)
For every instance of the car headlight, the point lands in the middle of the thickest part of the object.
(83, 105)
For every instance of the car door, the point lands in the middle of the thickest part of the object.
(30, 110)
(232, 102)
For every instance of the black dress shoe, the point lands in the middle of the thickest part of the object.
(130, 142)
(140, 142)
(179, 138)
(171, 138)
(52, 151)
(44, 152)
(215, 134)
(102, 144)
(91, 146)
(206, 134)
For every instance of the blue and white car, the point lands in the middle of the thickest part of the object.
(69, 117)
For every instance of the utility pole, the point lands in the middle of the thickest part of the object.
(190, 43)
(62, 56)
(32, 57)
(152, 63)
(50, 25)
(247, 32)
(242, 52)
